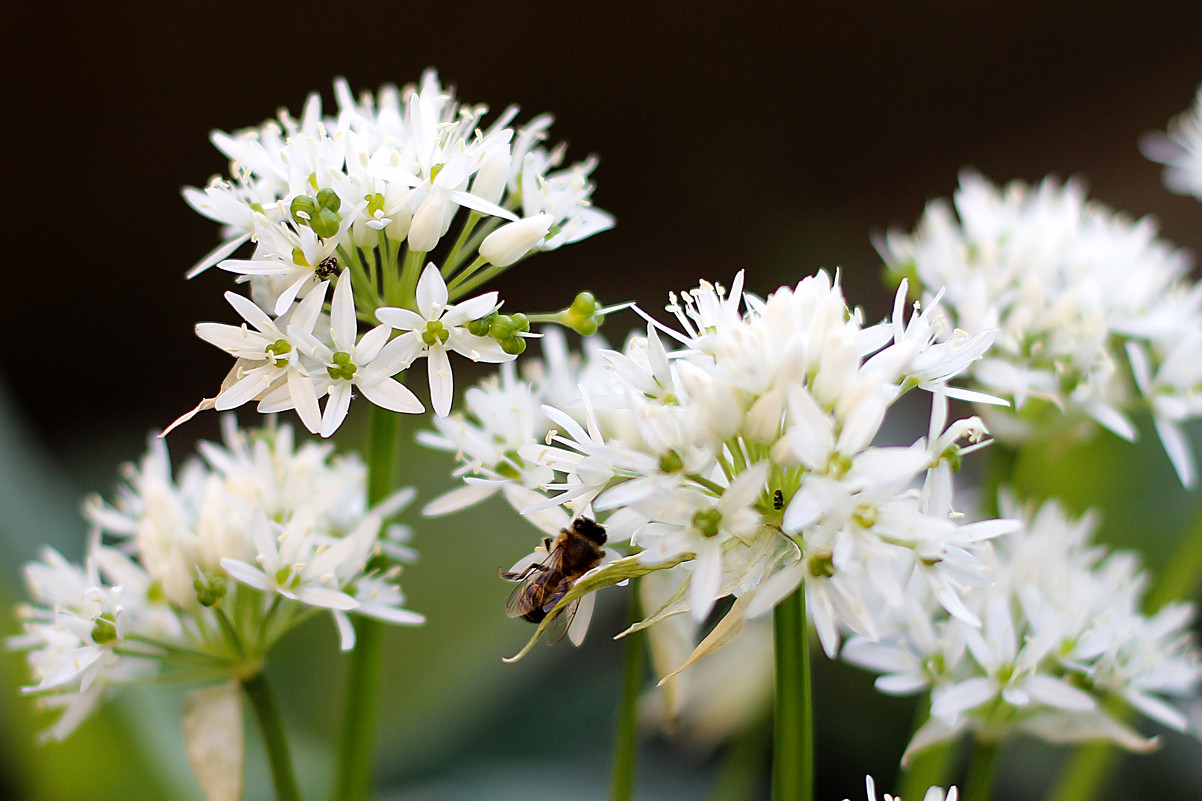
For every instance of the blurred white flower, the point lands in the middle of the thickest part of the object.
(1180, 150)
(1091, 309)
(209, 568)
(1062, 633)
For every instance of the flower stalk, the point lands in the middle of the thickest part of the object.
(262, 701)
(366, 673)
(979, 783)
(626, 738)
(793, 753)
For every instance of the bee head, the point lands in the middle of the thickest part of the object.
(590, 528)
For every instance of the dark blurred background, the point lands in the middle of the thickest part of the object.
(731, 137)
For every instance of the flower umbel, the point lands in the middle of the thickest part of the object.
(208, 569)
(1063, 633)
(747, 456)
(1095, 314)
(366, 197)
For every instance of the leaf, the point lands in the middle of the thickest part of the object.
(728, 628)
(604, 576)
(740, 565)
(213, 734)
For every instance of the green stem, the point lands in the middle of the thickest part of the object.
(633, 673)
(262, 700)
(793, 752)
(405, 290)
(366, 673)
(465, 276)
(979, 783)
(929, 767)
(459, 289)
(1080, 780)
(455, 255)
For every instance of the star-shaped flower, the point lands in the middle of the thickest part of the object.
(436, 328)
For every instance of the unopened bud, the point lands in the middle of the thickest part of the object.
(209, 590)
(514, 240)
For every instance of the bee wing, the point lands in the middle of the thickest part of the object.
(559, 625)
(531, 573)
(523, 597)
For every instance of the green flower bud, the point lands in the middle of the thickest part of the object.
(321, 214)
(582, 316)
(209, 590)
(482, 326)
(502, 328)
(513, 345)
(584, 305)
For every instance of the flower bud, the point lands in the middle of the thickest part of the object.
(426, 229)
(511, 242)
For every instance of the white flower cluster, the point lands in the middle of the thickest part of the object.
(209, 569)
(1096, 317)
(1063, 633)
(1180, 149)
(748, 454)
(362, 198)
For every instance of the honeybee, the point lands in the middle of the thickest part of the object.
(570, 555)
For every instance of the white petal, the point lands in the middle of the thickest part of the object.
(706, 578)
(392, 395)
(442, 386)
(336, 407)
(304, 398)
(431, 293)
(343, 325)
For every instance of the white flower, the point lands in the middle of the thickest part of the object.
(368, 364)
(368, 191)
(436, 328)
(269, 356)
